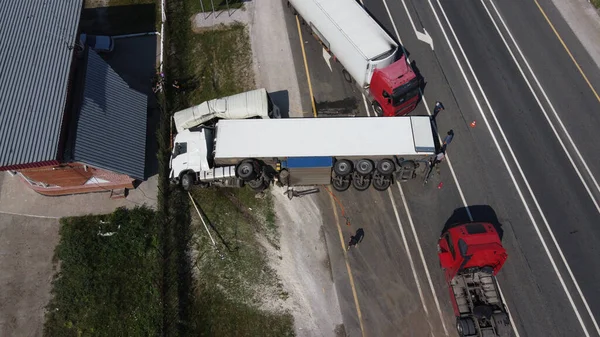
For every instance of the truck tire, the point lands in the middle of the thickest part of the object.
(187, 181)
(361, 183)
(377, 108)
(258, 184)
(502, 323)
(247, 171)
(381, 182)
(386, 167)
(340, 184)
(364, 167)
(342, 167)
(466, 327)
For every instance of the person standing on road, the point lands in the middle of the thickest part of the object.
(356, 238)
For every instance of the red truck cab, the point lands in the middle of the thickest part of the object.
(471, 255)
(395, 89)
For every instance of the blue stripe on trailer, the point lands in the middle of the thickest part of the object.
(299, 162)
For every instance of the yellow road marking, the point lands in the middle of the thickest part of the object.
(312, 100)
(337, 222)
(567, 49)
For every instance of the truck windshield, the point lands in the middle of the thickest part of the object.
(270, 107)
(405, 92)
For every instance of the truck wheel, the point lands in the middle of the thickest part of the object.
(187, 181)
(386, 167)
(380, 182)
(361, 183)
(340, 184)
(466, 327)
(364, 167)
(377, 108)
(257, 185)
(342, 167)
(502, 323)
(246, 170)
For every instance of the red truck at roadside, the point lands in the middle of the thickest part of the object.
(471, 256)
(369, 55)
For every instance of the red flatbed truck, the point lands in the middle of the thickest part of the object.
(471, 255)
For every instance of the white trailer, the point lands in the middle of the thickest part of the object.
(303, 152)
(250, 104)
(367, 52)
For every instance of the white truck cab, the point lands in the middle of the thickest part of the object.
(189, 153)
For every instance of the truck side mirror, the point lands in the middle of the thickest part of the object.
(445, 259)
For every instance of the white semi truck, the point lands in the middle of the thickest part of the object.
(251, 104)
(344, 152)
(367, 52)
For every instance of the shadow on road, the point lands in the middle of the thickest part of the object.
(480, 213)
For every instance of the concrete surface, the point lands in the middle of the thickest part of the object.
(17, 198)
(27, 270)
(582, 17)
(304, 267)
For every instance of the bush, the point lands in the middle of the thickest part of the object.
(107, 284)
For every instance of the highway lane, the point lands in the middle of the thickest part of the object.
(535, 296)
(561, 195)
(551, 176)
(334, 95)
(388, 283)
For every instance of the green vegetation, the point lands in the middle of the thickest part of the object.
(140, 280)
(107, 284)
(208, 64)
(240, 281)
(596, 3)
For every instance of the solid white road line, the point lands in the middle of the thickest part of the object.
(585, 184)
(410, 259)
(546, 249)
(564, 129)
(557, 136)
(462, 196)
(414, 232)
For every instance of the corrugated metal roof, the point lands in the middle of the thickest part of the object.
(111, 128)
(36, 47)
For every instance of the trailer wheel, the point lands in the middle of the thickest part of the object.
(381, 182)
(246, 170)
(377, 108)
(364, 167)
(187, 181)
(340, 184)
(386, 167)
(466, 327)
(361, 183)
(342, 167)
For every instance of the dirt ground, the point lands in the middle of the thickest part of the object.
(302, 264)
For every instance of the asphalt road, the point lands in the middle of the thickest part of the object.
(496, 167)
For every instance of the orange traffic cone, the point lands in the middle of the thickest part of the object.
(473, 124)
